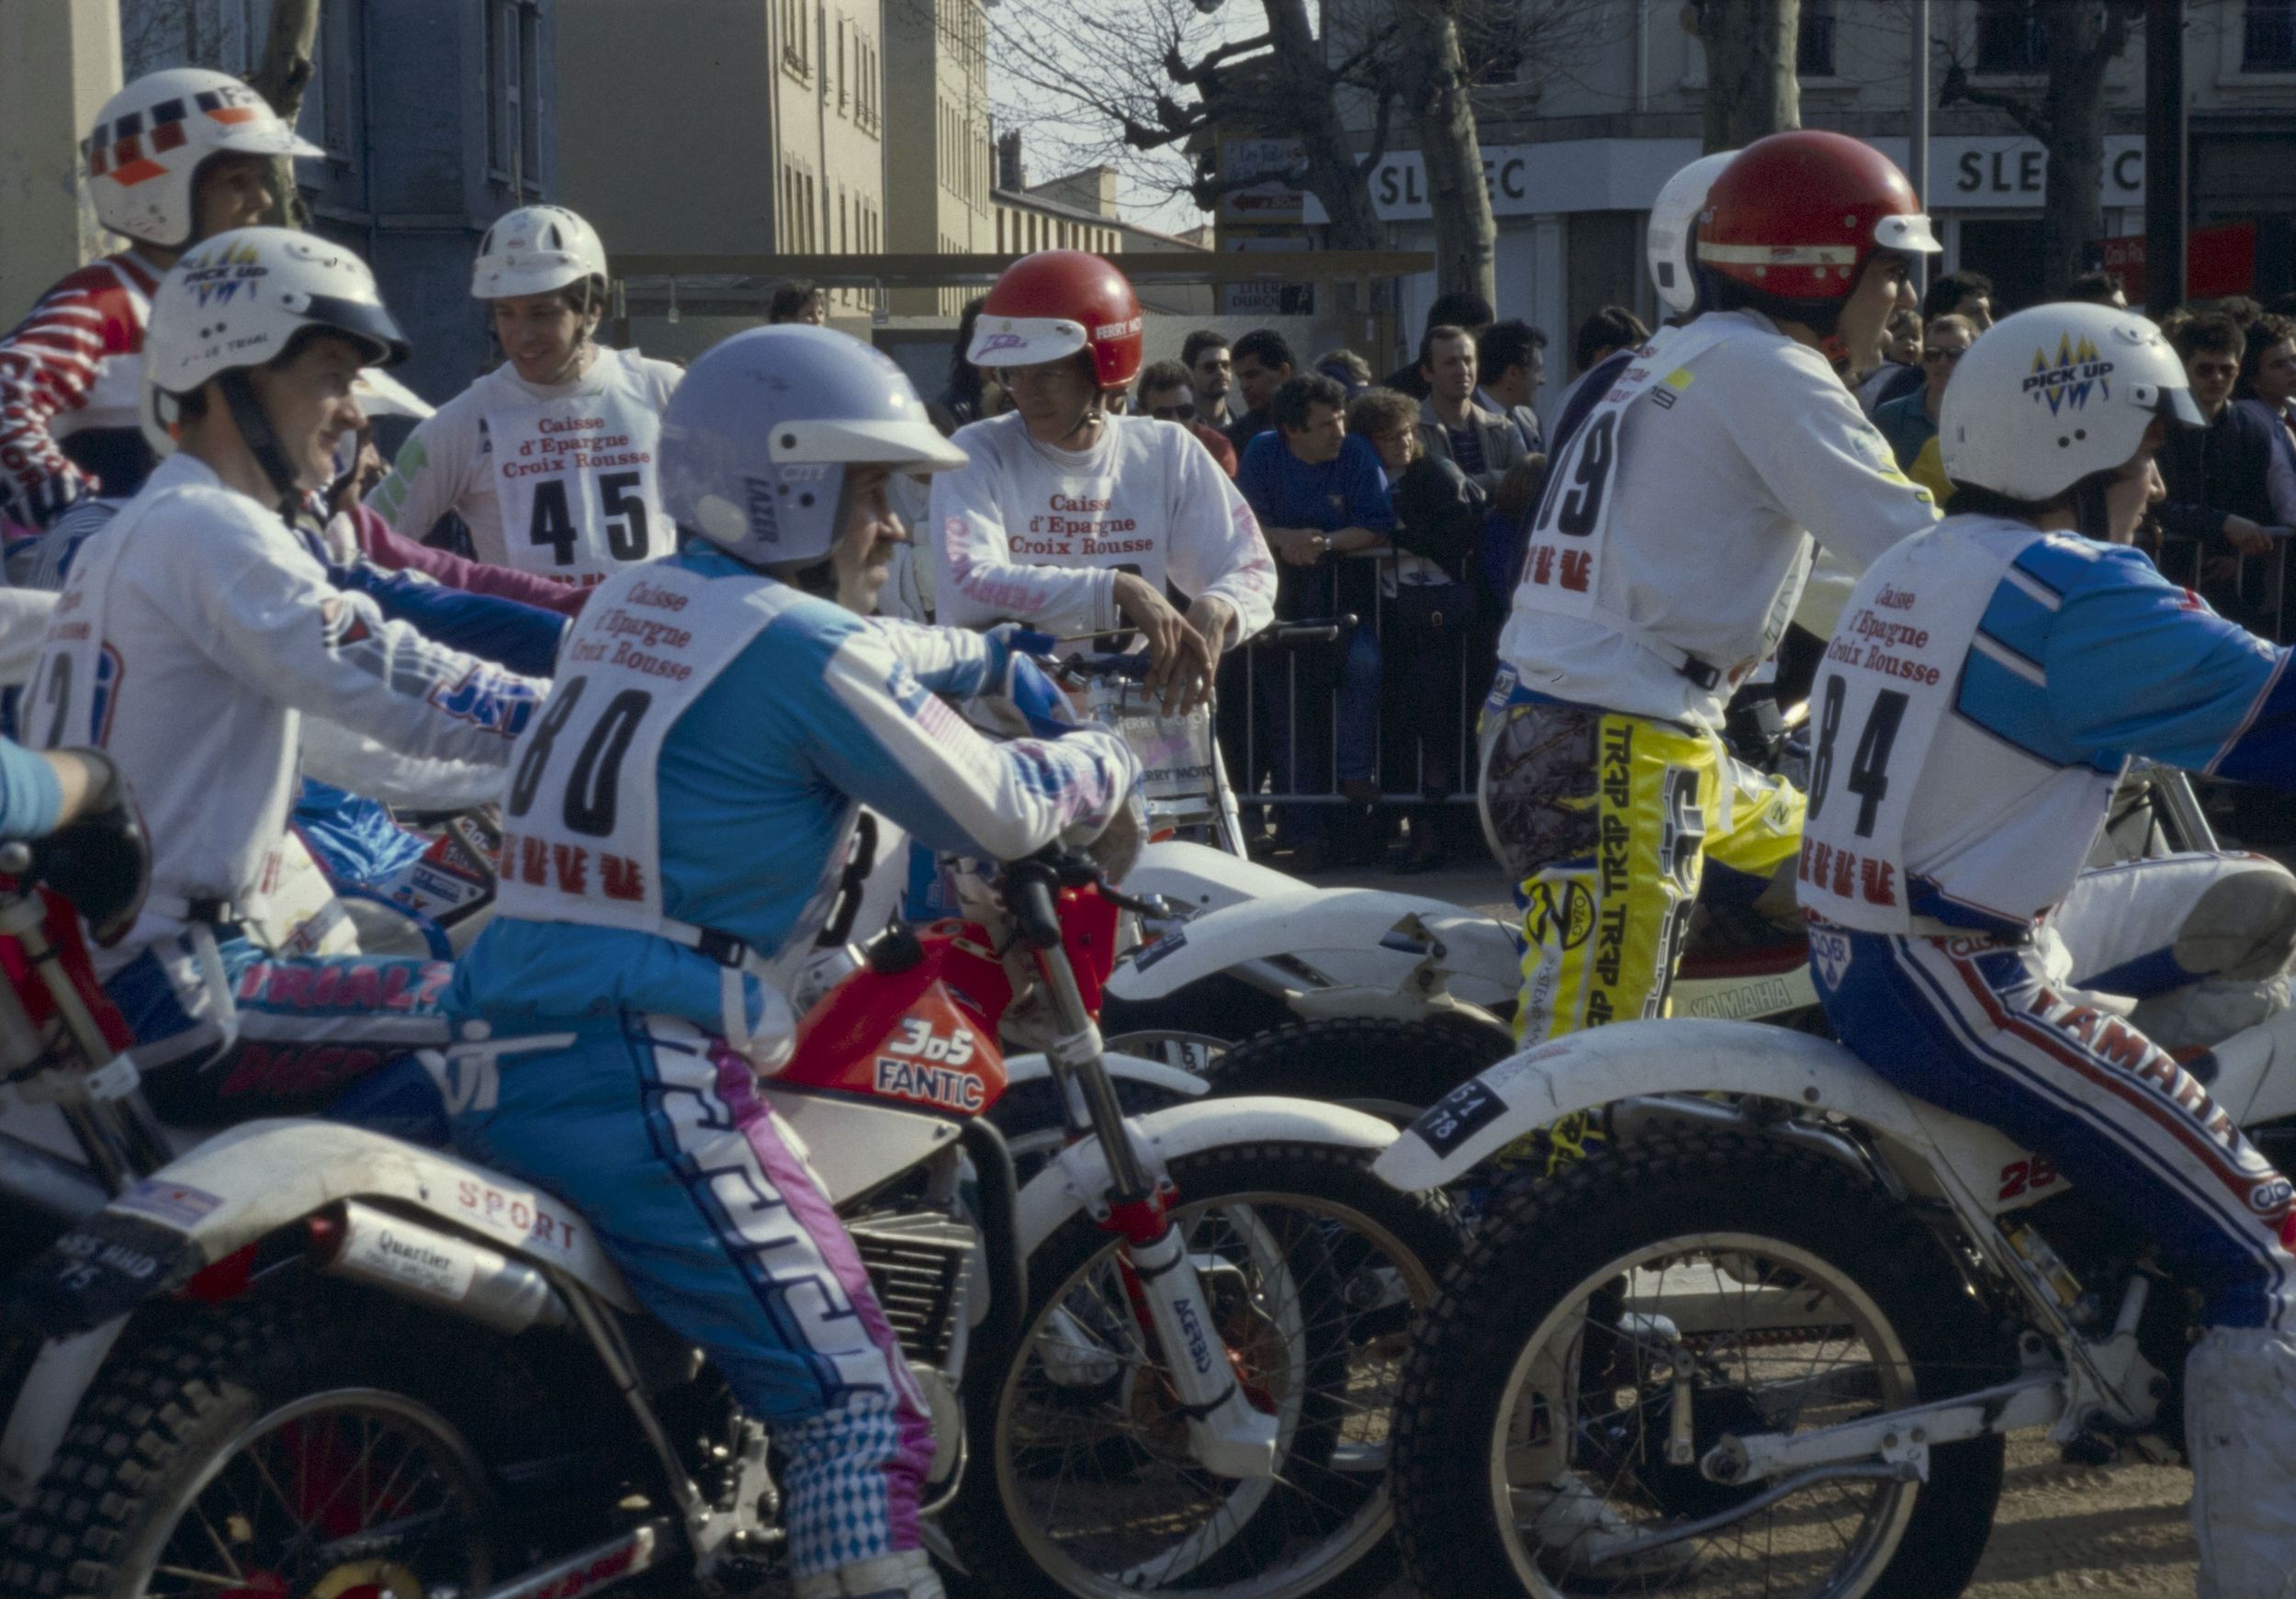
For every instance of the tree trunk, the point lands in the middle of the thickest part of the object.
(1427, 39)
(2081, 47)
(280, 78)
(1750, 87)
(1333, 174)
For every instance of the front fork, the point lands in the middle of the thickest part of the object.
(1227, 1434)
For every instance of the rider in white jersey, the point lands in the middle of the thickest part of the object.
(195, 634)
(550, 459)
(1075, 520)
(1668, 554)
(1987, 685)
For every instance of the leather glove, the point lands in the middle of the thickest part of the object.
(101, 860)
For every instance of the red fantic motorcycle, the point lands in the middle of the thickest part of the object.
(309, 1358)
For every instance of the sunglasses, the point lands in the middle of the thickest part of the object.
(1948, 356)
(1173, 413)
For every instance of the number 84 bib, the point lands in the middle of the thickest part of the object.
(577, 478)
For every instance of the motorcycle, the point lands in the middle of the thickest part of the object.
(339, 1361)
(1771, 1337)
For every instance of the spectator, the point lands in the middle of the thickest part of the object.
(799, 300)
(1165, 392)
(1263, 360)
(1318, 492)
(2240, 307)
(1510, 357)
(1482, 443)
(2174, 321)
(1608, 331)
(2268, 376)
(1900, 371)
(1909, 423)
(967, 397)
(2218, 477)
(1456, 310)
(1346, 368)
(2097, 288)
(1961, 294)
(1210, 373)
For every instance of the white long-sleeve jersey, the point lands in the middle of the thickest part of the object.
(1688, 512)
(194, 634)
(1031, 534)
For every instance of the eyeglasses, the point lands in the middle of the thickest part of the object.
(1173, 413)
(1948, 356)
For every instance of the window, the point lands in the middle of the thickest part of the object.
(842, 95)
(1814, 46)
(2012, 36)
(514, 112)
(793, 32)
(338, 77)
(2267, 37)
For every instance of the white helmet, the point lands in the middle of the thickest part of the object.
(144, 153)
(238, 300)
(2053, 395)
(1674, 218)
(533, 249)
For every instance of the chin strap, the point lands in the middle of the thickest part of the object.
(254, 431)
(2089, 515)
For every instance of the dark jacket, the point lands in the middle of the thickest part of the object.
(2215, 472)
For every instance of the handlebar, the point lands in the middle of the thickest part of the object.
(1132, 666)
(1031, 892)
(1316, 630)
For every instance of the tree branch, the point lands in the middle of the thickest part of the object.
(2024, 113)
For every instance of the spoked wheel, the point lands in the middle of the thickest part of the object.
(1176, 1047)
(1610, 1327)
(220, 1461)
(1083, 1480)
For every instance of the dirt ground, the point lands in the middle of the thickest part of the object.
(2075, 1529)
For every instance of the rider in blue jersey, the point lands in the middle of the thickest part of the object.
(1987, 685)
(678, 822)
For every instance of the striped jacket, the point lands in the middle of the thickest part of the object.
(69, 377)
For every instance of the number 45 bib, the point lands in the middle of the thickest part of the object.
(577, 478)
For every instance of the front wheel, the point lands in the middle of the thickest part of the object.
(1082, 1481)
(1385, 1066)
(1608, 1327)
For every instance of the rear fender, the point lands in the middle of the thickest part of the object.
(1077, 1177)
(1352, 935)
(1930, 1149)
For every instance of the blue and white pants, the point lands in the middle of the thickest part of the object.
(651, 1129)
(1978, 1027)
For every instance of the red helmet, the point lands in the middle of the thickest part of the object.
(1055, 303)
(1798, 215)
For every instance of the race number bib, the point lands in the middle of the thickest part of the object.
(578, 478)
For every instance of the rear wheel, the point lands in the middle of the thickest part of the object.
(245, 1450)
(1388, 1068)
(1673, 1292)
(1082, 1481)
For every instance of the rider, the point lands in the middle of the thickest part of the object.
(1074, 519)
(175, 157)
(193, 637)
(1665, 558)
(680, 813)
(550, 458)
(1989, 682)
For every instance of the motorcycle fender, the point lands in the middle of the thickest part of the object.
(1637, 1059)
(1124, 1068)
(1196, 877)
(250, 1181)
(1078, 1177)
(1339, 931)
(45, 1404)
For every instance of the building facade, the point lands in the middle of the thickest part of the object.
(1576, 143)
(939, 181)
(437, 116)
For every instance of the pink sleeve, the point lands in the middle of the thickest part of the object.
(394, 552)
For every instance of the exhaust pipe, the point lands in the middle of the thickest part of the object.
(433, 1268)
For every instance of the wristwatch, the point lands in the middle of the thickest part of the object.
(1322, 544)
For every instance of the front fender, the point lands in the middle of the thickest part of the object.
(1635, 1059)
(1341, 932)
(1197, 877)
(1078, 1176)
(1124, 1068)
(250, 1181)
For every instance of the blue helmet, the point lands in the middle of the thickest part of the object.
(757, 438)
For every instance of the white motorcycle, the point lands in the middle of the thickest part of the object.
(309, 1358)
(1771, 1339)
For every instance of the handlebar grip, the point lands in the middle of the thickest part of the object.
(1034, 913)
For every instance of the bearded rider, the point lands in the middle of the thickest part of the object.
(680, 814)
(1990, 683)
(191, 642)
(550, 459)
(1074, 520)
(175, 157)
(1668, 552)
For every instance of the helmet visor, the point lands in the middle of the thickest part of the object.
(1911, 234)
(906, 447)
(365, 320)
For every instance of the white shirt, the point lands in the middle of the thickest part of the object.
(1717, 490)
(1028, 532)
(193, 635)
(447, 463)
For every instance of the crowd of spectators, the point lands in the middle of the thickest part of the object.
(1402, 503)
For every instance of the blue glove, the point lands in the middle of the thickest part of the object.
(1038, 698)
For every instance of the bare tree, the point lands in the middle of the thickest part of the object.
(1432, 71)
(1751, 89)
(280, 77)
(2079, 41)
